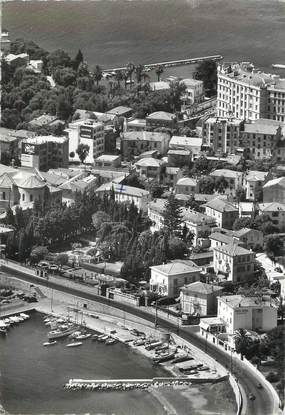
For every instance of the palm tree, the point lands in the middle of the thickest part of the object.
(97, 74)
(139, 71)
(125, 76)
(119, 77)
(130, 69)
(159, 70)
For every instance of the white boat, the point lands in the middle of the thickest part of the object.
(278, 65)
(102, 338)
(74, 344)
(50, 343)
(75, 334)
(25, 316)
(7, 321)
(58, 333)
(15, 319)
(83, 336)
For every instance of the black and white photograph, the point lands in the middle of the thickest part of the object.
(142, 207)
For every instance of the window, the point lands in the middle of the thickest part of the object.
(31, 198)
(3, 196)
(23, 196)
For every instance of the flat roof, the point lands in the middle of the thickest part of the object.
(174, 268)
(264, 126)
(237, 301)
(144, 136)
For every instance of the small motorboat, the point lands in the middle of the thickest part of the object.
(102, 338)
(50, 343)
(110, 341)
(75, 334)
(94, 337)
(3, 331)
(74, 344)
(83, 336)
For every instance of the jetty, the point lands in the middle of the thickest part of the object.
(168, 64)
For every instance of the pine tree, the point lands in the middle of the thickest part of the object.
(172, 215)
(10, 219)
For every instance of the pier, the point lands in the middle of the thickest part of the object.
(168, 64)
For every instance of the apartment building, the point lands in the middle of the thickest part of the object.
(234, 262)
(222, 211)
(134, 143)
(45, 152)
(167, 279)
(222, 134)
(246, 93)
(276, 212)
(253, 182)
(250, 313)
(274, 190)
(194, 92)
(88, 132)
(263, 139)
(199, 298)
(161, 119)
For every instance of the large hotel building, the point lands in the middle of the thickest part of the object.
(247, 94)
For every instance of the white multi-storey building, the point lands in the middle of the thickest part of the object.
(88, 132)
(245, 93)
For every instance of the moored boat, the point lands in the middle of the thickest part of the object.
(102, 338)
(74, 344)
(50, 343)
(59, 333)
(110, 341)
(163, 358)
(83, 336)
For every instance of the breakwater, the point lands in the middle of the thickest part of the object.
(124, 384)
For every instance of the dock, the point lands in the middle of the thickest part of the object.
(168, 64)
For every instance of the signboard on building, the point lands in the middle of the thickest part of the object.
(86, 131)
(29, 160)
(29, 149)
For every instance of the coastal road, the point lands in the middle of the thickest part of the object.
(262, 405)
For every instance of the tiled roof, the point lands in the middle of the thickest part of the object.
(174, 268)
(272, 207)
(180, 141)
(220, 237)
(196, 217)
(161, 115)
(226, 173)
(232, 250)
(118, 188)
(6, 181)
(221, 205)
(256, 176)
(31, 182)
(148, 162)
(263, 126)
(120, 110)
(201, 288)
(186, 181)
(280, 181)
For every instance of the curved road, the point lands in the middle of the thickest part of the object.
(263, 403)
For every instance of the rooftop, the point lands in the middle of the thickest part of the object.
(158, 86)
(120, 110)
(237, 301)
(144, 136)
(196, 217)
(220, 237)
(264, 126)
(182, 141)
(233, 250)
(119, 188)
(186, 181)
(256, 176)
(42, 120)
(246, 73)
(161, 115)
(179, 152)
(280, 181)
(174, 268)
(221, 205)
(149, 162)
(243, 231)
(272, 207)
(201, 288)
(31, 182)
(107, 157)
(190, 82)
(226, 173)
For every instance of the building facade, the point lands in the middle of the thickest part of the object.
(234, 262)
(167, 279)
(199, 298)
(223, 212)
(251, 313)
(45, 152)
(222, 134)
(246, 93)
(89, 132)
(134, 143)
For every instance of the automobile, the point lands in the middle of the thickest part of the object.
(251, 397)
(259, 386)
(278, 269)
(44, 264)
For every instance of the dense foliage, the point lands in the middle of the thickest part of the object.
(26, 94)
